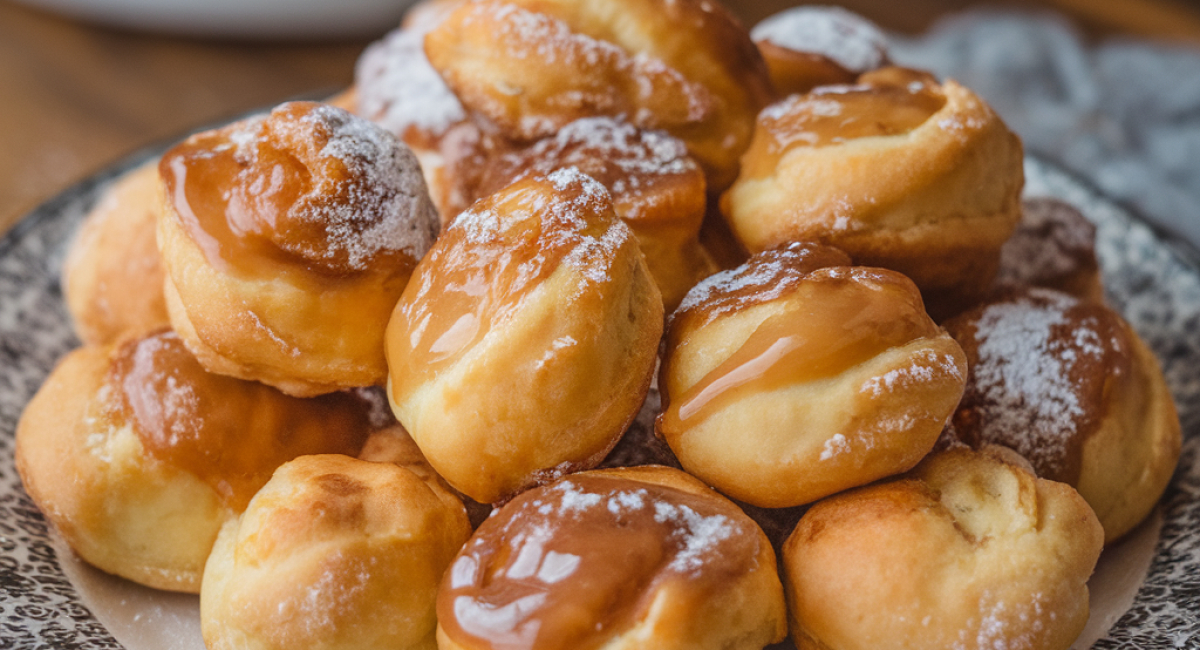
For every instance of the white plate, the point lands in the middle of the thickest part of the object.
(1146, 593)
(239, 18)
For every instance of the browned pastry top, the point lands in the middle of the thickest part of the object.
(888, 101)
(1042, 366)
(581, 560)
(308, 184)
(228, 432)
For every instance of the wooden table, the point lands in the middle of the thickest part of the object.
(76, 97)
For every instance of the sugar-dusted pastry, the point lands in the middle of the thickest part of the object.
(400, 91)
(112, 277)
(333, 553)
(656, 188)
(815, 45)
(287, 240)
(1070, 386)
(796, 376)
(530, 67)
(619, 559)
(1054, 246)
(970, 550)
(137, 455)
(898, 170)
(526, 341)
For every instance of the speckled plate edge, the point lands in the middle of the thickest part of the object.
(1147, 278)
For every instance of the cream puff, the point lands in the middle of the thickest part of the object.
(809, 46)
(287, 239)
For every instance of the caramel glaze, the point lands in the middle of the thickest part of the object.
(247, 195)
(230, 433)
(571, 565)
(885, 102)
(839, 318)
(793, 71)
(483, 265)
(1054, 395)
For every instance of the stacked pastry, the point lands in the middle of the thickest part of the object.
(736, 333)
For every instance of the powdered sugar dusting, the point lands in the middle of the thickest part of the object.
(1023, 374)
(399, 90)
(362, 195)
(697, 534)
(846, 38)
(1052, 241)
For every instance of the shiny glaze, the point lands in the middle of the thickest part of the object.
(837, 318)
(573, 564)
(885, 102)
(1046, 400)
(231, 434)
(485, 263)
(247, 194)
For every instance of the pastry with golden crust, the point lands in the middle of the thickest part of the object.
(1054, 247)
(796, 376)
(656, 188)
(809, 46)
(287, 240)
(529, 67)
(620, 559)
(1071, 387)
(526, 341)
(113, 277)
(970, 550)
(137, 455)
(333, 553)
(899, 171)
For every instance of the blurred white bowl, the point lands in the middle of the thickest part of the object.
(274, 19)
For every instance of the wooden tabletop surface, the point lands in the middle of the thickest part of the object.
(76, 97)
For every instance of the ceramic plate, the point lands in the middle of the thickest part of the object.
(1146, 593)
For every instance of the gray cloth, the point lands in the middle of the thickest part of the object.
(1123, 115)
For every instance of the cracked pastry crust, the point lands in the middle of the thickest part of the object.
(969, 550)
(287, 240)
(529, 67)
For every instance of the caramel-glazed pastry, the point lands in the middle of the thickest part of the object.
(656, 188)
(1069, 385)
(287, 240)
(1054, 246)
(113, 278)
(530, 67)
(619, 559)
(526, 341)
(897, 170)
(333, 553)
(810, 46)
(137, 455)
(969, 551)
(797, 376)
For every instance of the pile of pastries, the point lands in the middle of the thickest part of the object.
(602, 325)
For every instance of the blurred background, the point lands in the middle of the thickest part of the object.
(84, 83)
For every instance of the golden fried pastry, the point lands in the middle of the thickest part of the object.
(526, 341)
(898, 171)
(796, 376)
(656, 188)
(137, 455)
(809, 46)
(1054, 246)
(530, 67)
(1070, 386)
(287, 240)
(113, 278)
(968, 551)
(644, 557)
(333, 553)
